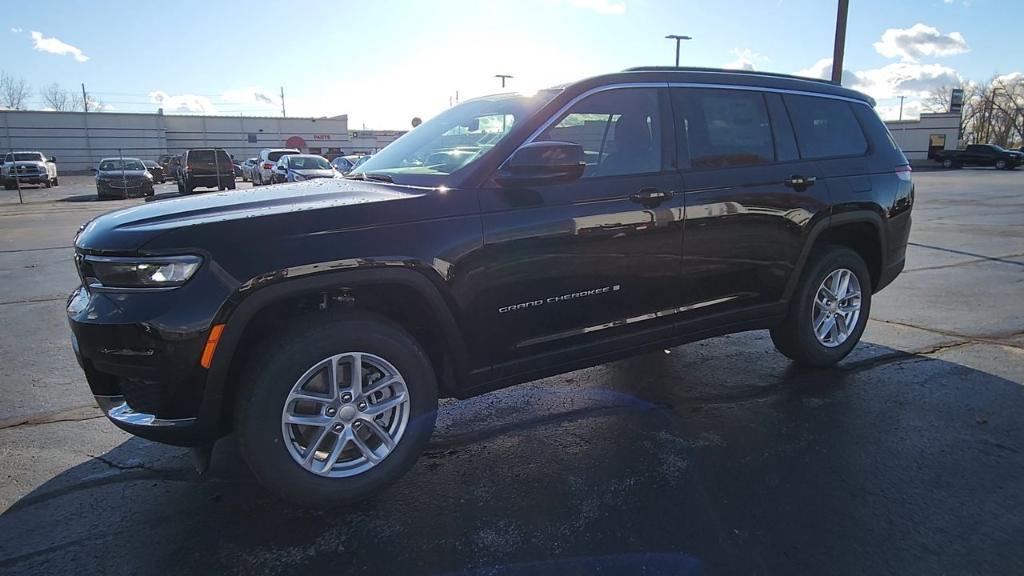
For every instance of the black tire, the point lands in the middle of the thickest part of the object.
(948, 163)
(47, 183)
(231, 186)
(277, 366)
(56, 183)
(1001, 164)
(795, 338)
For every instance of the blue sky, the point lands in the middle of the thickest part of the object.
(386, 61)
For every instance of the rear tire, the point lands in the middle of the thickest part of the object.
(1000, 164)
(948, 163)
(796, 338)
(274, 449)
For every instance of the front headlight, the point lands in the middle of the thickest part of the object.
(156, 272)
(298, 177)
(148, 175)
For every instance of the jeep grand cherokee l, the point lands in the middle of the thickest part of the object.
(507, 239)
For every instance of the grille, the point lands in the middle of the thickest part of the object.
(126, 182)
(27, 169)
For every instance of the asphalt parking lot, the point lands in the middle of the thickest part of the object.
(712, 458)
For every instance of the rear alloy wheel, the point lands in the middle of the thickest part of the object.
(829, 310)
(336, 409)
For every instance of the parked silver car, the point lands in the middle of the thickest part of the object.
(299, 167)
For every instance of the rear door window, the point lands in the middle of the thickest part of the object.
(825, 127)
(724, 128)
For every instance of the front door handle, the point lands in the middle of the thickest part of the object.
(651, 196)
(800, 183)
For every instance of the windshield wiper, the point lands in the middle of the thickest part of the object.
(378, 177)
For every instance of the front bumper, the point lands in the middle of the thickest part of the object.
(140, 354)
(31, 178)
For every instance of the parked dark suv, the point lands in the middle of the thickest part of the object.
(205, 168)
(507, 239)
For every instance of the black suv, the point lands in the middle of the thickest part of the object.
(507, 239)
(205, 168)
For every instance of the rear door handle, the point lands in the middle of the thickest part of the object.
(799, 183)
(651, 196)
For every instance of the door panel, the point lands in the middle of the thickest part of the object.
(745, 226)
(567, 264)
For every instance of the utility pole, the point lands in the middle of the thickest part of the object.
(902, 98)
(839, 50)
(678, 39)
(503, 78)
(283, 115)
(85, 99)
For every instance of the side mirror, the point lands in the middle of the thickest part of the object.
(542, 162)
(53, 159)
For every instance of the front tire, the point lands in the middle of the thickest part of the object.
(948, 163)
(829, 310)
(1000, 164)
(291, 414)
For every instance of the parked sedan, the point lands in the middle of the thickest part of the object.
(156, 170)
(346, 164)
(247, 168)
(298, 167)
(122, 178)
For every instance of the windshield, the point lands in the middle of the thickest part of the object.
(129, 164)
(308, 163)
(455, 138)
(25, 157)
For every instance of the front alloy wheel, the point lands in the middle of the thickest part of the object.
(345, 414)
(335, 407)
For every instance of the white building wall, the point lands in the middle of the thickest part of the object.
(79, 140)
(914, 136)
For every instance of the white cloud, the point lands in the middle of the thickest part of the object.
(910, 44)
(52, 45)
(601, 6)
(746, 59)
(911, 110)
(890, 81)
(252, 96)
(183, 102)
(16, 30)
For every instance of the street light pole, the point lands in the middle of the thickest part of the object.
(902, 98)
(503, 78)
(678, 39)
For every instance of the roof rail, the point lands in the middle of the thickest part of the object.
(724, 71)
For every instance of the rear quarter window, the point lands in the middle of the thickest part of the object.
(825, 127)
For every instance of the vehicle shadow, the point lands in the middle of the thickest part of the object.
(665, 463)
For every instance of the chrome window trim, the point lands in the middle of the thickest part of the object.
(627, 85)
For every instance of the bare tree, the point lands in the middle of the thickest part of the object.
(78, 104)
(14, 92)
(57, 98)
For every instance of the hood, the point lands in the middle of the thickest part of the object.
(129, 229)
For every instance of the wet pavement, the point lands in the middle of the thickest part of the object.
(717, 457)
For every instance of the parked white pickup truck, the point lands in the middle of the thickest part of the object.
(28, 168)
